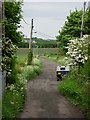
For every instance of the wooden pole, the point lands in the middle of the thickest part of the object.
(30, 54)
(82, 25)
(30, 42)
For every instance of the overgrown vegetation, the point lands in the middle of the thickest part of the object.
(59, 59)
(72, 27)
(13, 16)
(8, 59)
(76, 89)
(11, 38)
(76, 86)
(14, 97)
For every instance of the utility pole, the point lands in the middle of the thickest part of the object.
(89, 46)
(30, 42)
(82, 25)
(30, 54)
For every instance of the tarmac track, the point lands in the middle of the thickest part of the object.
(43, 98)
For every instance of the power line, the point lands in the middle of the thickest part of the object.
(43, 34)
(25, 21)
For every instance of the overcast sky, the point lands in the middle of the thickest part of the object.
(48, 17)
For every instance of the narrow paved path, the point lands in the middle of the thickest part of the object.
(43, 99)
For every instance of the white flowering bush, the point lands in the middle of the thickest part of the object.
(78, 51)
(8, 59)
(8, 51)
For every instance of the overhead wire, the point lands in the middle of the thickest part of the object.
(43, 34)
(40, 33)
(25, 21)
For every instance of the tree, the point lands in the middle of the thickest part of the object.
(12, 21)
(78, 51)
(72, 27)
(11, 38)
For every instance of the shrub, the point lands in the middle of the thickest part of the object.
(8, 59)
(76, 89)
(12, 75)
(36, 62)
(12, 103)
(29, 72)
(37, 69)
(18, 68)
(14, 97)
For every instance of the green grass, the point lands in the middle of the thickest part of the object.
(14, 97)
(39, 51)
(12, 104)
(0, 109)
(76, 88)
(59, 59)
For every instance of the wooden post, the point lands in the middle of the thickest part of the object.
(30, 42)
(82, 25)
(30, 54)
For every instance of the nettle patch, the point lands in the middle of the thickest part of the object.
(78, 51)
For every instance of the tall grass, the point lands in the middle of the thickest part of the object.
(57, 58)
(76, 88)
(0, 109)
(14, 97)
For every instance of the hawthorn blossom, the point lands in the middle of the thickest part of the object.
(78, 50)
(8, 51)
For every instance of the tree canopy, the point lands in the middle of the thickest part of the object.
(12, 21)
(72, 27)
(38, 42)
(11, 38)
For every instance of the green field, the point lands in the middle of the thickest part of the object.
(37, 51)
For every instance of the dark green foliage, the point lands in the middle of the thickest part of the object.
(46, 44)
(40, 43)
(13, 76)
(14, 98)
(12, 21)
(13, 37)
(23, 45)
(76, 88)
(72, 27)
(87, 22)
(9, 110)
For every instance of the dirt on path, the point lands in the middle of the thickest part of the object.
(43, 98)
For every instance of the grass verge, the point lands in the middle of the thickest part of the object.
(59, 59)
(76, 88)
(14, 97)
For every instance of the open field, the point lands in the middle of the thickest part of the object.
(39, 51)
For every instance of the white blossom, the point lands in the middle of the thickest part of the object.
(77, 50)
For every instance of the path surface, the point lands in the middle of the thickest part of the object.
(43, 99)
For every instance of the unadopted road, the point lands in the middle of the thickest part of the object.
(43, 98)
